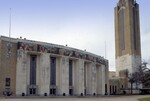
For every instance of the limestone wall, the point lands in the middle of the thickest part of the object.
(130, 62)
(8, 66)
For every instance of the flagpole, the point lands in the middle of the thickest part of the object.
(105, 50)
(10, 24)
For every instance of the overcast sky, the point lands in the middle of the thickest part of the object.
(82, 24)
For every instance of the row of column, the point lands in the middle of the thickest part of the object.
(88, 78)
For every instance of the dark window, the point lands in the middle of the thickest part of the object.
(52, 91)
(85, 74)
(70, 72)
(53, 71)
(105, 88)
(134, 27)
(32, 70)
(71, 91)
(7, 82)
(110, 89)
(121, 24)
(115, 89)
(122, 86)
(32, 91)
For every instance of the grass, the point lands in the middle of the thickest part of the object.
(145, 99)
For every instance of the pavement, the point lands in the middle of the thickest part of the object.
(106, 98)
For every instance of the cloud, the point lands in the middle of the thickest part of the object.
(145, 40)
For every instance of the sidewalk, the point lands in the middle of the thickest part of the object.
(109, 98)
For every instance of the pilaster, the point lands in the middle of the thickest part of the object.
(44, 74)
(63, 85)
(79, 75)
(102, 79)
(21, 72)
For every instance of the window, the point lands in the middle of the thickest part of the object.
(7, 84)
(32, 70)
(53, 71)
(134, 27)
(106, 89)
(70, 72)
(85, 64)
(110, 89)
(122, 86)
(121, 24)
(115, 89)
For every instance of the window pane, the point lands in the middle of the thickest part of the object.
(33, 70)
(7, 82)
(53, 71)
(121, 24)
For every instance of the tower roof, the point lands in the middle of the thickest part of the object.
(123, 2)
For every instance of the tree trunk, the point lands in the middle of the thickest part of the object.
(131, 87)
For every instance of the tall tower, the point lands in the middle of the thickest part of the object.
(127, 36)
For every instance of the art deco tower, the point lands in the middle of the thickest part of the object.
(127, 36)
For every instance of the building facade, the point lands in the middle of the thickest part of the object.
(33, 68)
(127, 36)
(118, 85)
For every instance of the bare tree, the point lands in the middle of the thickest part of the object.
(144, 75)
(133, 78)
(141, 76)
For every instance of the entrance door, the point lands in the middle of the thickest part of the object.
(53, 91)
(32, 91)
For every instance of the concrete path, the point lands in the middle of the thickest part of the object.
(112, 98)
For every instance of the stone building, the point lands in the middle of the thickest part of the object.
(33, 68)
(117, 85)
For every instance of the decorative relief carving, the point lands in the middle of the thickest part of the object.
(77, 54)
(71, 53)
(41, 48)
(61, 51)
(67, 52)
(19, 53)
(83, 56)
(9, 49)
(55, 50)
(27, 46)
(63, 60)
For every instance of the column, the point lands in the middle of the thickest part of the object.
(102, 79)
(21, 82)
(63, 84)
(79, 77)
(85, 77)
(98, 75)
(89, 79)
(94, 79)
(44, 74)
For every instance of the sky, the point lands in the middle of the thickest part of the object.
(81, 24)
